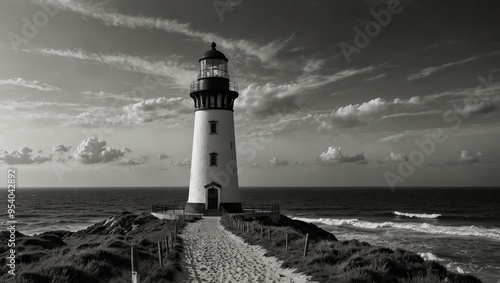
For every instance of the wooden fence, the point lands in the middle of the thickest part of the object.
(251, 228)
(169, 241)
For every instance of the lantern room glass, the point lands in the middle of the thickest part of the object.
(213, 68)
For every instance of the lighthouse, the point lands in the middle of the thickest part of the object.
(213, 182)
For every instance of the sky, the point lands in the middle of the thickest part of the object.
(331, 93)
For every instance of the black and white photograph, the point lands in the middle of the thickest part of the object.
(351, 141)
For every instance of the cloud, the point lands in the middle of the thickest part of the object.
(177, 163)
(320, 80)
(431, 70)
(349, 116)
(156, 108)
(409, 134)
(412, 114)
(487, 90)
(23, 156)
(265, 53)
(276, 162)
(181, 75)
(463, 159)
(139, 161)
(107, 95)
(61, 148)
(162, 156)
(356, 115)
(377, 77)
(334, 156)
(145, 111)
(93, 150)
(30, 106)
(397, 157)
(313, 65)
(132, 162)
(32, 84)
(466, 158)
(269, 99)
(477, 107)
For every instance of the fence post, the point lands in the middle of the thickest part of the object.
(160, 254)
(248, 227)
(172, 235)
(253, 228)
(286, 241)
(262, 231)
(166, 244)
(135, 264)
(306, 244)
(269, 232)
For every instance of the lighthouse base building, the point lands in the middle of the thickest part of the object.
(213, 182)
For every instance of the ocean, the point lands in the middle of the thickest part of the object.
(459, 228)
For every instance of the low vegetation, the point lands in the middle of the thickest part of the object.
(100, 253)
(329, 260)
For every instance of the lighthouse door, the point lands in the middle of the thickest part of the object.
(213, 198)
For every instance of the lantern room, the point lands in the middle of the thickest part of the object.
(213, 64)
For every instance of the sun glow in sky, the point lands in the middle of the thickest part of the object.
(332, 93)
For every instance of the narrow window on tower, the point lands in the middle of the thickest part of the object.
(213, 159)
(213, 127)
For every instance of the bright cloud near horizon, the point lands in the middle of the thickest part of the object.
(332, 93)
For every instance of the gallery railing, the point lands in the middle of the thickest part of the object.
(200, 85)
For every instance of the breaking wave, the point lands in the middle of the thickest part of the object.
(417, 215)
(475, 231)
(429, 256)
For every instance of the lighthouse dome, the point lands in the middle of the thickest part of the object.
(213, 54)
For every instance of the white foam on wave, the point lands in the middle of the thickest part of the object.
(493, 233)
(429, 256)
(417, 215)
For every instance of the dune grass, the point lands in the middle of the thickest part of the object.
(329, 260)
(100, 253)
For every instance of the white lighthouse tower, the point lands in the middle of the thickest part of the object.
(214, 178)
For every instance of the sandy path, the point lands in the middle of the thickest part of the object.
(214, 254)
